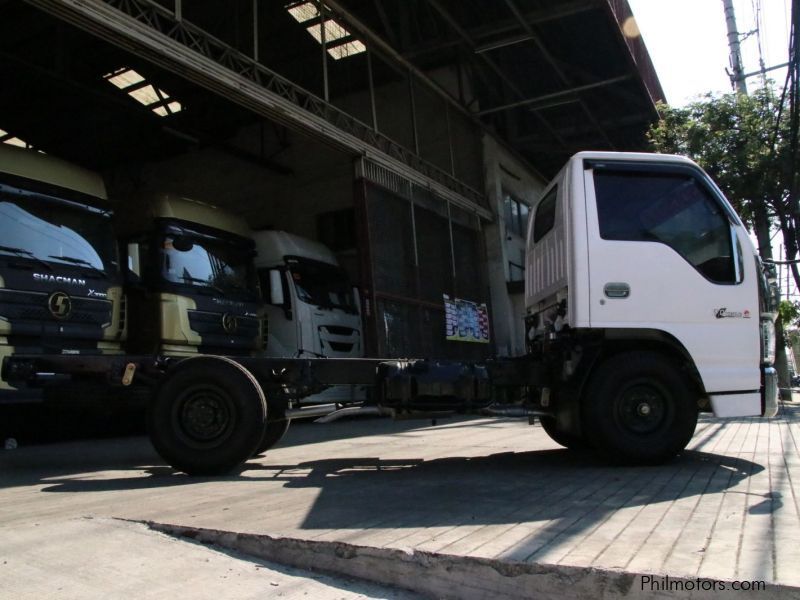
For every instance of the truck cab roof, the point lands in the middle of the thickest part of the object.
(34, 165)
(172, 206)
(274, 245)
(634, 156)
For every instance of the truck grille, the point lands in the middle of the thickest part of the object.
(340, 347)
(338, 330)
(338, 340)
(29, 309)
(209, 326)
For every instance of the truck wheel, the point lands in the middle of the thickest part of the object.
(639, 408)
(273, 432)
(207, 416)
(561, 437)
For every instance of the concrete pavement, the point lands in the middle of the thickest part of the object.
(493, 501)
(101, 558)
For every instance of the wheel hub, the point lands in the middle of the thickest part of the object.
(642, 408)
(204, 415)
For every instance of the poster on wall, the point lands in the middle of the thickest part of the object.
(466, 321)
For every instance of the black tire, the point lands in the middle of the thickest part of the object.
(274, 430)
(639, 408)
(207, 416)
(561, 437)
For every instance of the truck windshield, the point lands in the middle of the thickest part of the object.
(46, 228)
(322, 284)
(221, 264)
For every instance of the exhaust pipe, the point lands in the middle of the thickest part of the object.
(352, 411)
(311, 411)
(327, 413)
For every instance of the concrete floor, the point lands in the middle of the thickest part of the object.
(479, 489)
(100, 558)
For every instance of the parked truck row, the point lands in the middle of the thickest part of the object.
(190, 271)
(646, 304)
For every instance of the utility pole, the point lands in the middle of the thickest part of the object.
(737, 76)
(760, 218)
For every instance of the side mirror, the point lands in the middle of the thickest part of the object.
(357, 299)
(276, 287)
(134, 263)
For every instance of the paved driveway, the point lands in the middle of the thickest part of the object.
(496, 489)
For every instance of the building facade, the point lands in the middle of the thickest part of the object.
(411, 136)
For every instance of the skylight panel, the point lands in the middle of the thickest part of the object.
(146, 95)
(347, 49)
(125, 78)
(306, 11)
(170, 108)
(138, 88)
(303, 12)
(333, 32)
(12, 140)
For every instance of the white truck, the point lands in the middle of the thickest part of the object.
(646, 305)
(641, 273)
(312, 308)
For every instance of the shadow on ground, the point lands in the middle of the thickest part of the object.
(412, 492)
(562, 493)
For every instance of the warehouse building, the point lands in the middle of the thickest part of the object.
(413, 137)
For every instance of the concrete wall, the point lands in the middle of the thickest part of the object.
(504, 172)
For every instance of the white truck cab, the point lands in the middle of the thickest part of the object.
(313, 310)
(640, 256)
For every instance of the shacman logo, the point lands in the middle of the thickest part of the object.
(58, 279)
(59, 305)
(229, 322)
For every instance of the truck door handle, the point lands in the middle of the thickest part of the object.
(616, 290)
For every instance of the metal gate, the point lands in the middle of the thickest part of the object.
(416, 247)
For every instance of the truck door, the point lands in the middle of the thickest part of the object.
(143, 304)
(281, 311)
(666, 254)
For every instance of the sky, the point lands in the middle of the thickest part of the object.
(687, 40)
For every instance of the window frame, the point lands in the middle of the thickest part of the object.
(538, 235)
(704, 183)
(514, 224)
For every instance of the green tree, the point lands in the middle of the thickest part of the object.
(789, 312)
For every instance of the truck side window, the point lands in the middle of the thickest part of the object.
(670, 208)
(545, 217)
